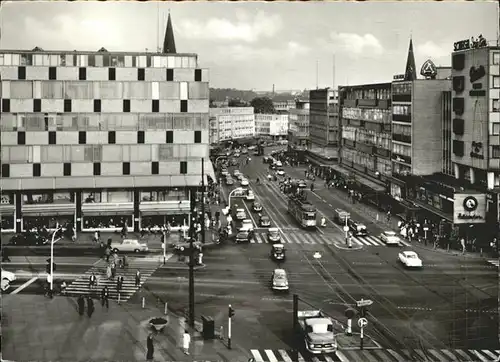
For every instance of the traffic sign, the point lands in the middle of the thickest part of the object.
(362, 322)
(346, 228)
(349, 313)
(364, 302)
(426, 228)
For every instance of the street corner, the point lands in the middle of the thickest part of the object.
(353, 341)
(342, 246)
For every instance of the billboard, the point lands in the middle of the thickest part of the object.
(469, 209)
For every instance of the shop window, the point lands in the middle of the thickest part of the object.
(91, 197)
(495, 151)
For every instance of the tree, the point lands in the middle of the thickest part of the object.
(236, 103)
(262, 105)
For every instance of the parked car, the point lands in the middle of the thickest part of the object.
(279, 280)
(242, 237)
(246, 225)
(236, 173)
(241, 214)
(184, 248)
(250, 195)
(7, 278)
(229, 181)
(273, 234)
(244, 151)
(256, 206)
(244, 182)
(410, 259)
(280, 172)
(264, 221)
(240, 177)
(28, 238)
(357, 228)
(129, 245)
(253, 147)
(390, 238)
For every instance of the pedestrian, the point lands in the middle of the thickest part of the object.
(108, 271)
(150, 347)
(462, 242)
(92, 281)
(113, 270)
(105, 297)
(388, 217)
(5, 254)
(90, 306)
(108, 253)
(137, 278)
(186, 340)
(81, 304)
(119, 283)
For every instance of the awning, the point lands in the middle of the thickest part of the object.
(344, 172)
(48, 209)
(164, 208)
(370, 184)
(7, 209)
(434, 211)
(101, 209)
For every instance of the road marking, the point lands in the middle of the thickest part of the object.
(270, 355)
(256, 355)
(25, 285)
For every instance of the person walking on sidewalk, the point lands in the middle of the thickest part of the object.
(81, 305)
(105, 297)
(186, 340)
(90, 306)
(137, 278)
(150, 348)
(462, 243)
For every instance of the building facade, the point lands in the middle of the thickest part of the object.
(101, 140)
(283, 107)
(231, 123)
(324, 127)
(274, 126)
(298, 126)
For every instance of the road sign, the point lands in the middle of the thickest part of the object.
(426, 228)
(362, 322)
(346, 228)
(349, 313)
(364, 302)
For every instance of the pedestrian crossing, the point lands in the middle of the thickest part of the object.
(146, 266)
(322, 239)
(287, 355)
(494, 262)
(430, 355)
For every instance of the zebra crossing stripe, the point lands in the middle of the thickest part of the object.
(284, 355)
(442, 355)
(494, 262)
(256, 355)
(270, 355)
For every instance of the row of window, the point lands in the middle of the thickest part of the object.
(359, 158)
(369, 94)
(402, 150)
(37, 169)
(99, 60)
(402, 109)
(401, 88)
(103, 121)
(100, 153)
(104, 90)
(401, 129)
(373, 115)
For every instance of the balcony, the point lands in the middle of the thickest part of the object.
(401, 138)
(401, 97)
(401, 118)
(351, 103)
(367, 103)
(401, 158)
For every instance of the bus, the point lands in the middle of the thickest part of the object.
(304, 212)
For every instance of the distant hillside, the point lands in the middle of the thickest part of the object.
(222, 94)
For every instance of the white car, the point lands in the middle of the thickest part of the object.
(280, 173)
(279, 280)
(7, 278)
(236, 173)
(244, 182)
(246, 225)
(250, 195)
(129, 245)
(390, 238)
(240, 214)
(240, 177)
(278, 164)
(410, 259)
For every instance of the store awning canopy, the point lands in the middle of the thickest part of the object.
(344, 172)
(370, 184)
(102, 209)
(48, 209)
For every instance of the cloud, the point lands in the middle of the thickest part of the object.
(296, 48)
(431, 50)
(243, 29)
(243, 52)
(355, 44)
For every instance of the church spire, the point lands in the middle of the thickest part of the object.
(169, 41)
(410, 71)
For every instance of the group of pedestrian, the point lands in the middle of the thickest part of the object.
(81, 305)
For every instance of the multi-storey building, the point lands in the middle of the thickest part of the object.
(102, 139)
(231, 123)
(274, 126)
(324, 128)
(298, 130)
(366, 135)
(283, 107)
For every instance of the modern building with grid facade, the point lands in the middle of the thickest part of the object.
(101, 139)
(231, 123)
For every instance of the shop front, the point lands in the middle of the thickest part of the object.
(8, 212)
(154, 214)
(48, 210)
(107, 211)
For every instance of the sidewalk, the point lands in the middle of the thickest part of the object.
(379, 217)
(54, 331)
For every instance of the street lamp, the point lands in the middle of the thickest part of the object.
(231, 194)
(52, 258)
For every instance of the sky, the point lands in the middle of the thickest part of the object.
(254, 45)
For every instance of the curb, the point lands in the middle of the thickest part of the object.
(183, 267)
(342, 247)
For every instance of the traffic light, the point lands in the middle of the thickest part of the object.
(231, 311)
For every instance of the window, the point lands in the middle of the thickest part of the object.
(156, 106)
(184, 106)
(52, 137)
(126, 168)
(5, 105)
(78, 90)
(21, 73)
(170, 74)
(496, 105)
(21, 138)
(97, 105)
(5, 170)
(197, 136)
(82, 74)
(495, 151)
(52, 73)
(67, 169)
(111, 137)
(496, 81)
(140, 137)
(155, 168)
(97, 168)
(197, 75)
(21, 90)
(184, 167)
(82, 137)
(496, 58)
(52, 90)
(126, 105)
(170, 136)
(92, 153)
(140, 74)
(37, 170)
(112, 73)
(37, 105)
(67, 105)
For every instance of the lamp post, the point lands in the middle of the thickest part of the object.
(231, 194)
(52, 259)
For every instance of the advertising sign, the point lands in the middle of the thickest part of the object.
(469, 209)
(429, 69)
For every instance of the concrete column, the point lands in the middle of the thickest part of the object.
(472, 175)
(78, 207)
(490, 177)
(456, 171)
(18, 214)
(137, 214)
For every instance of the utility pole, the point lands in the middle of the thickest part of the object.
(191, 260)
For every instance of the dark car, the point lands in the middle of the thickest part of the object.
(183, 248)
(357, 228)
(257, 207)
(264, 221)
(242, 237)
(28, 239)
(278, 252)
